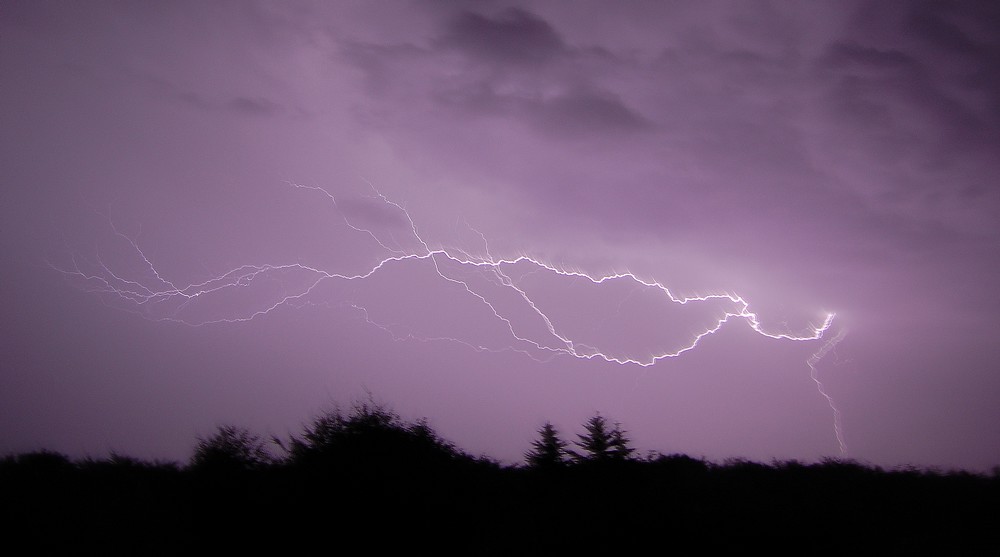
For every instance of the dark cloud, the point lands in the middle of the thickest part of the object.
(850, 54)
(935, 23)
(914, 92)
(956, 42)
(242, 105)
(563, 103)
(380, 63)
(477, 99)
(861, 103)
(967, 47)
(254, 106)
(514, 36)
(584, 111)
(572, 113)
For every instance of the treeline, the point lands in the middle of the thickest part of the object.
(369, 477)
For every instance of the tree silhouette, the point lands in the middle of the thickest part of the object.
(230, 448)
(347, 472)
(621, 448)
(602, 443)
(372, 435)
(596, 442)
(549, 450)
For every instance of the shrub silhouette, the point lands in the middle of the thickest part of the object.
(230, 448)
(371, 436)
(377, 472)
(43, 461)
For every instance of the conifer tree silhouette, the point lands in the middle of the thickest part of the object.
(548, 450)
(596, 442)
(602, 443)
(621, 448)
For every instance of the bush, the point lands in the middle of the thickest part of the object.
(231, 448)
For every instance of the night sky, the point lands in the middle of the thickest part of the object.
(249, 212)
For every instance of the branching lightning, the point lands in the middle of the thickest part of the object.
(146, 295)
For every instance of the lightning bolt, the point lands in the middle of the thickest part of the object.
(814, 374)
(146, 296)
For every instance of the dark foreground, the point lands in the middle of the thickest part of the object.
(348, 486)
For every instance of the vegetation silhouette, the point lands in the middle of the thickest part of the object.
(601, 443)
(369, 476)
(371, 437)
(230, 449)
(548, 451)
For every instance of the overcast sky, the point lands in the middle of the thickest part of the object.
(808, 157)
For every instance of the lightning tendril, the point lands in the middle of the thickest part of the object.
(146, 296)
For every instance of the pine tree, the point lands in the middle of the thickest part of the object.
(549, 450)
(602, 443)
(621, 448)
(596, 442)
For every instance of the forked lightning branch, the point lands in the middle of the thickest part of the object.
(148, 293)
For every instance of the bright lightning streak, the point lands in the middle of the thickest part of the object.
(142, 296)
(814, 374)
(132, 290)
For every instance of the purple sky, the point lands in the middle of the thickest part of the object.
(807, 157)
